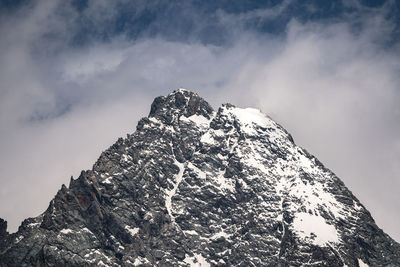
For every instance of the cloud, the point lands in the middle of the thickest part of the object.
(333, 84)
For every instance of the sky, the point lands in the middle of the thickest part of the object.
(77, 74)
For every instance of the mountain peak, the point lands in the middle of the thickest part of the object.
(179, 102)
(194, 187)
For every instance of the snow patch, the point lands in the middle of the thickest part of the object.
(225, 183)
(197, 260)
(220, 234)
(157, 121)
(309, 226)
(254, 159)
(219, 132)
(32, 225)
(66, 231)
(250, 116)
(101, 263)
(314, 196)
(199, 120)
(305, 163)
(182, 90)
(362, 264)
(18, 239)
(207, 138)
(172, 192)
(139, 260)
(190, 232)
(132, 231)
(84, 229)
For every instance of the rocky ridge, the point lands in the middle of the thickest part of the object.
(198, 187)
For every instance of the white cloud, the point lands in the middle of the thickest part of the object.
(336, 91)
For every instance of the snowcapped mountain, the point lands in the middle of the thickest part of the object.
(198, 187)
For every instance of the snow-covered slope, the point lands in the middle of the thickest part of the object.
(198, 187)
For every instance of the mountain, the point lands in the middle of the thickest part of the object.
(198, 187)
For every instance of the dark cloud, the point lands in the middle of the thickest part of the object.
(79, 74)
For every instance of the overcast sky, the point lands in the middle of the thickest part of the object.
(76, 75)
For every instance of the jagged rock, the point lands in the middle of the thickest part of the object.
(198, 187)
(3, 229)
(3, 233)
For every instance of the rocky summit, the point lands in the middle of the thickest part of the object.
(198, 187)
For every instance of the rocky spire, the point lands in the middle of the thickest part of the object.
(180, 102)
(3, 233)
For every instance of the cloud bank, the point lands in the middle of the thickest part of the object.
(69, 91)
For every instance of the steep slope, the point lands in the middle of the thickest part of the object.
(195, 187)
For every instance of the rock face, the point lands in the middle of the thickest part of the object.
(198, 187)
